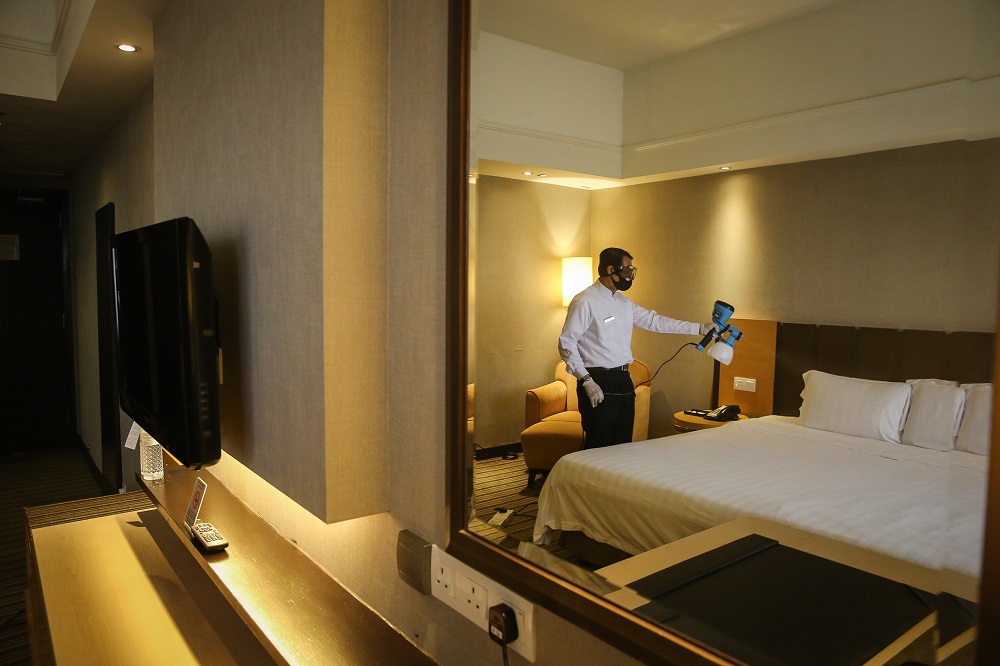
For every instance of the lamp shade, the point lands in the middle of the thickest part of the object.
(577, 274)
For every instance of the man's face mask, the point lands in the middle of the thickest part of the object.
(626, 276)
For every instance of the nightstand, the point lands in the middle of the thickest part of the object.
(687, 422)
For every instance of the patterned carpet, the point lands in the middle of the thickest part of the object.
(26, 480)
(502, 483)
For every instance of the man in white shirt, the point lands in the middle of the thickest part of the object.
(596, 344)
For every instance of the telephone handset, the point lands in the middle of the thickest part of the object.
(724, 413)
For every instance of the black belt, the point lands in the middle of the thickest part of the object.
(614, 369)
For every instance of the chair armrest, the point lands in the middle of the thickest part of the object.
(640, 427)
(544, 401)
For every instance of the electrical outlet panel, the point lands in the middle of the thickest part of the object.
(442, 577)
(472, 594)
(744, 384)
(472, 597)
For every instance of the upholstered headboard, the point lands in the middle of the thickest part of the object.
(875, 353)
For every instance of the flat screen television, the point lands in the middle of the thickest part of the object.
(167, 338)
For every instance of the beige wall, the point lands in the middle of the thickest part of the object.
(906, 238)
(355, 98)
(523, 232)
(239, 148)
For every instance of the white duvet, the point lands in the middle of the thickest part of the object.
(916, 504)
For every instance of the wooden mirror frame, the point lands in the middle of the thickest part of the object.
(611, 623)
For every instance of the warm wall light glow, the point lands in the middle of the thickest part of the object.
(577, 274)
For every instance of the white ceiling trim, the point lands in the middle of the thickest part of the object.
(68, 36)
(34, 62)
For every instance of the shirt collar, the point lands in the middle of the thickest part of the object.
(604, 290)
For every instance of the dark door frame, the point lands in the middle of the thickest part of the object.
(107, 347)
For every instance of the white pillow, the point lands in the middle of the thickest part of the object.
(942, 382)
(859, 407)
(935, 415)
(974, 434)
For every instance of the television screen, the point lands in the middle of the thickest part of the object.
(167, 338)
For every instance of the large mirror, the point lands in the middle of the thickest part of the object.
(825, 166)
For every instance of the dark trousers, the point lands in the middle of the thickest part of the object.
(612, 420)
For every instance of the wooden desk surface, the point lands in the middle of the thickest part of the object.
(132, 588)
(636, 567)
(113, 596)
(917, 644)
(295, 608)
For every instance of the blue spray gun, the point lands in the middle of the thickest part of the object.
(725, 336)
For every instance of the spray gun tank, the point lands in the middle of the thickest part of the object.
(724, 336)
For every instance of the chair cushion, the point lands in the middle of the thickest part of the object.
(546, 442)
(569, 417)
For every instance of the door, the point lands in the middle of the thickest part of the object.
(37, 395)
(107, 347)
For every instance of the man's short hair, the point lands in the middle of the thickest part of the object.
(611, 256)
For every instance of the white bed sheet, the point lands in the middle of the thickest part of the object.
(916, 504)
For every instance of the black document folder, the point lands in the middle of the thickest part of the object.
(763, 603)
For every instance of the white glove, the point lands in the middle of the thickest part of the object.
(594, 392)
(710, 326)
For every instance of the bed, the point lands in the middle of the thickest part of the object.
(878, 458)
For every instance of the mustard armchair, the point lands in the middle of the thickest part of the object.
(470, 414)
(552, 419)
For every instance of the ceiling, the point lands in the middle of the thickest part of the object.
(46, 128)
(64, 86)
(626, 33)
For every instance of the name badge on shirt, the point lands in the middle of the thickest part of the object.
(609, 319)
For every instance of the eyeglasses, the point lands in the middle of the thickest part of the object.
(627, 272)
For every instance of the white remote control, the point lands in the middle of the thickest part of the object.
(208, 537)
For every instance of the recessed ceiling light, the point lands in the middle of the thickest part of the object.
(725, 168)
(543, 175)
(128, 48)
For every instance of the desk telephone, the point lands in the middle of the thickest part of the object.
(720, 413)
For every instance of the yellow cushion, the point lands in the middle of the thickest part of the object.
(546, 442)
(569, 417)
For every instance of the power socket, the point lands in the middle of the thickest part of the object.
(472, 594)
(744, 384)
(472, 597)
(442, 576)
(501, 517)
